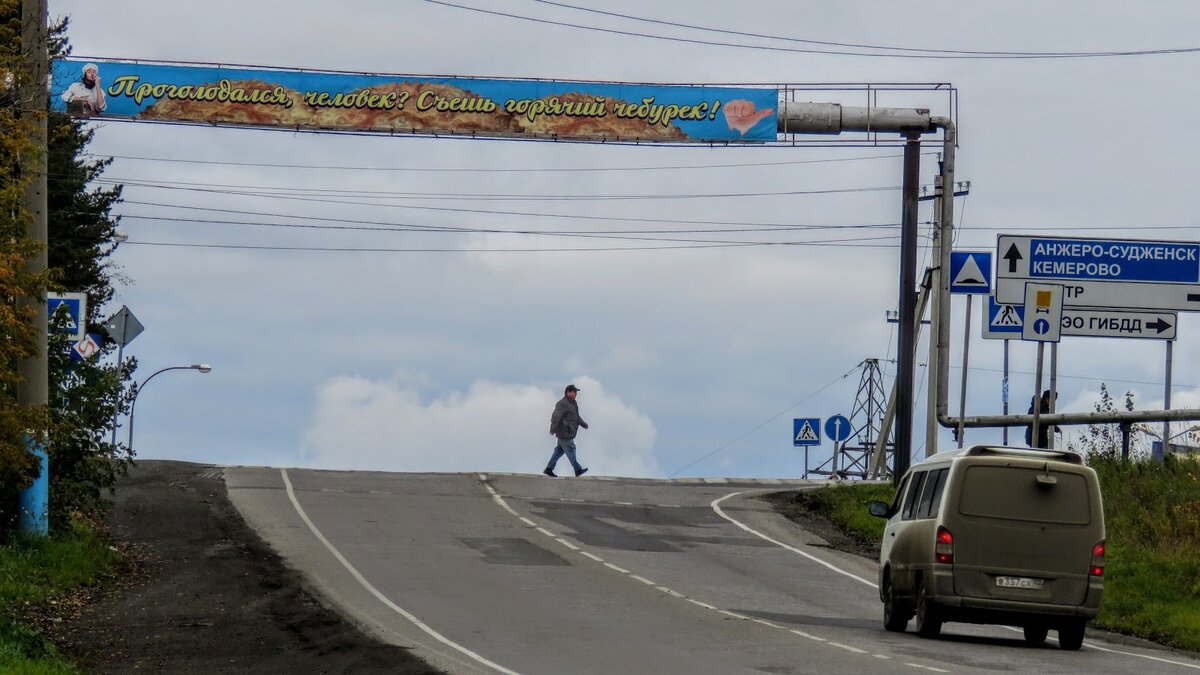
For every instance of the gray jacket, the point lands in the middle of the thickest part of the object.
(565, 421)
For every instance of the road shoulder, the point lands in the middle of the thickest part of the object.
(208, 595)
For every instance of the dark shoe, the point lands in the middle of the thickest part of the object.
(549, 472)
(581, 472)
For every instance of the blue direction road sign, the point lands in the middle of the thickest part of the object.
(1005, 322)
(837, 428)
(806, 431)
(971, 272)
(1102, 273)
(75, 306)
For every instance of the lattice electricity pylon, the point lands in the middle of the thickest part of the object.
(852, 457)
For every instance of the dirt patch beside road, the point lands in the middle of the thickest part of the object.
(206, 595)
(795, 506)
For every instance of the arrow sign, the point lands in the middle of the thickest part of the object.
(1012, 256)
(1116, 323)
(1103, 273)
(1006, 322)
(837, 428)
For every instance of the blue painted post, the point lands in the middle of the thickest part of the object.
(34, 504)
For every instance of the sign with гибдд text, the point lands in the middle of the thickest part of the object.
(414, 104)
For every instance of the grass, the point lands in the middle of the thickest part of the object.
(1152, 519)
(34, 573)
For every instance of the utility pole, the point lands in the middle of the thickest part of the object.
(34, 388)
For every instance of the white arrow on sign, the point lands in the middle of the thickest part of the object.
(1102, 273)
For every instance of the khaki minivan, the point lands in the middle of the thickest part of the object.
(1010, 536)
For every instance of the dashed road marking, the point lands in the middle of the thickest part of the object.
(673, 593)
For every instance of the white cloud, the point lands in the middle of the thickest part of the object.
(389, 425)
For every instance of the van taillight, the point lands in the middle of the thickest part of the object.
(1097, 565)
(944, 549)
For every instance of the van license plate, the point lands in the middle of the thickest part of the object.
(1020, 582)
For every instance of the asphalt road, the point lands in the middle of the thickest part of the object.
(527, 574)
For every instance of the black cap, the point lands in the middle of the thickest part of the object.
(571, 387)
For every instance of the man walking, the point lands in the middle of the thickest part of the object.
(564, 424)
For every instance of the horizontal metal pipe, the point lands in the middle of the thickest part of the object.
(1069, 419)
(834, 118)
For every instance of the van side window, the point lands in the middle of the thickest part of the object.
(895, 507)
(910, 496)
(931, 496)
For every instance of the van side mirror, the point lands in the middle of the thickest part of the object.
(879, 509)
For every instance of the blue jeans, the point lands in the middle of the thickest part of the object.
(565, 446)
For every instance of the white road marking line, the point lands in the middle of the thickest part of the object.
(716, 507)
(917, 665)
(848, 648)
(375, 592)
(741, 617)
(882, 656)
(1092, 645)
(1142, 656)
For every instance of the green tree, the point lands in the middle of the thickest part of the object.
(17, 338)
(1105, 440)
(83, 396)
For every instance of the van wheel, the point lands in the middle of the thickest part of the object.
(929, 615)
(1035, 634)
(1070, 634)
(895, 611)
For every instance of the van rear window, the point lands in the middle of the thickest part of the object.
(1014, 493)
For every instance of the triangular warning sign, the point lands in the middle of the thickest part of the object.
(806, 433)
(1007, 316)
(69, 322)
(970, 274)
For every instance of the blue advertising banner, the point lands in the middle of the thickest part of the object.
(414, 104)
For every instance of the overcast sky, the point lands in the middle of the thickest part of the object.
(692, 362)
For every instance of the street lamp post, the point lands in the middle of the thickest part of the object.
(202, 367)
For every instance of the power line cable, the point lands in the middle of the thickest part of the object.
(900, 55)
(764, 423)
(852, 45)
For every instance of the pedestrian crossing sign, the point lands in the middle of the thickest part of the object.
(1003, 322)
(806, 431)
